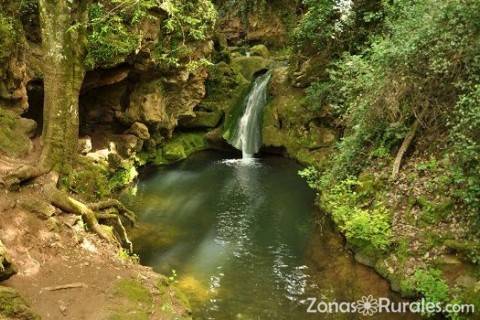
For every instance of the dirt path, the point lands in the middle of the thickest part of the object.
(56, 251)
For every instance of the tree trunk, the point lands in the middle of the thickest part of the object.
(63, 25)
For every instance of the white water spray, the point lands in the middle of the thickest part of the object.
(248, 136)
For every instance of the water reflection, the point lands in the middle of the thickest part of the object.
(239, 235)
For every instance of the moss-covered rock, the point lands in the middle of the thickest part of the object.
(180, 147)
(248, 66)
(139, 301)
(288, 124)
(203, 119)
(260, 50)
(14, 140)
(225, 87)
(94, 180)
(139, 130)
(14, 307)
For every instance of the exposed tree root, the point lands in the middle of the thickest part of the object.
(22, 174)
(403, 148)
(117, 206)
(108, 211)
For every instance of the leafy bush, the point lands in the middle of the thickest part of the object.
(96, 180)
(7, 36)
(429, 283)
(366, 228)
(426, 57)
(113, 37)
(311, 175)
(188, 22)
(332, 26)
(465, 136)
(110, 39)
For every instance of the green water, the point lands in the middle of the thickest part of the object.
(243, 240)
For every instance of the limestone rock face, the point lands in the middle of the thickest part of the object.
(289, 124)
(6, 267)
(203, 119)
(140, 130)
(259, 23)
(148, 104)
(128, 144)
(159, 103)
(13, 80)
(28, 126)
(14, 133)
(310, 70)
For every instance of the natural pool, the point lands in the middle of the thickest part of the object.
(243, 240)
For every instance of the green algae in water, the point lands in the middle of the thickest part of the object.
(244, 244)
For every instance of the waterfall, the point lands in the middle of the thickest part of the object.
(248, 134)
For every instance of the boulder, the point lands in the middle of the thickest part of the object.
(6, 267)
(260, 50)
(249, 66)
(466, 281)
(27, 126)
(128, 144)
(180, 147)
(114, 160)
(139, 130)
(85, 145)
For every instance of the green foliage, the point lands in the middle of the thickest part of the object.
(7, 36)
(434, 211)
(426, 56)
(242, 7)
(13, 306)
(366, 228)
(311, 175)
(335, 26)
(30, 17)
(188, 22)
(110, 37)
(429, 283)
(123, 176)
(173, 278)
(316, 26)
(465, 136)
(133, 291)
(114, 31)
(95, 180)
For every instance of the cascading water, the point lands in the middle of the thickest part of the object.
(248, 135)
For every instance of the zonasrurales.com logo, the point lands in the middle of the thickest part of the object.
(369, 306)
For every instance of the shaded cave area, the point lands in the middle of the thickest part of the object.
(35, 104)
